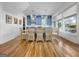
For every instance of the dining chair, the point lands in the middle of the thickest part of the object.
(49, 34)
(39, 32)
(24, 34)
(31, 34)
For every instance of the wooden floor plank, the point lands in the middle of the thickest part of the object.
(58, 47)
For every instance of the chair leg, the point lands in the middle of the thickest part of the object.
(35, 36)
(44, 36)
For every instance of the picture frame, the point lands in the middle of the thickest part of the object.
(8, 19)
(15, 20)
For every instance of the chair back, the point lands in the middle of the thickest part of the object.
(31, 31)
(49, 31)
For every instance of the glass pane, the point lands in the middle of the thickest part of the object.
(70, 24)
(49, 20)
(28, 20)
(43, 20)
(38, 20)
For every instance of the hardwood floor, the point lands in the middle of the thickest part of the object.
(58, 47)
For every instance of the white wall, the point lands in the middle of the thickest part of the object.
(72, 10)
(70, 36)
(78, 18)
(8, 31)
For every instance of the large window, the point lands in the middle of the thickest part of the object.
(70, 24)
(28, 20)
(44, 22)
(49, 20)
(36, 20)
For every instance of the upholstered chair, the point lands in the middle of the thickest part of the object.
(49, 34)
(31, 34)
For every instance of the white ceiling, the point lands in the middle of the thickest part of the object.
(15, 7)
(46, 7)
(43, 8)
